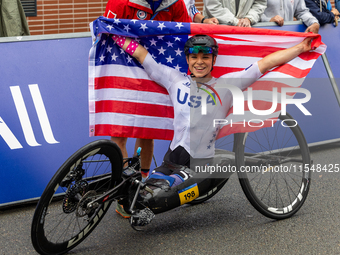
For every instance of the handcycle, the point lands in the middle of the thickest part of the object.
(272, 166)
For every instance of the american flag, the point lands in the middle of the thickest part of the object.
(123, 101)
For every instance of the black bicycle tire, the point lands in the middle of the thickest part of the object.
(209, 194)
(286, 212)
(39, 240)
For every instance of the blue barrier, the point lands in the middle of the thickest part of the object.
(44, 107)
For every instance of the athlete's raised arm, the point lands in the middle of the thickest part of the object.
(132, 47)
(283, 56)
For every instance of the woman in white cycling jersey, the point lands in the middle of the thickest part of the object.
(194, 133)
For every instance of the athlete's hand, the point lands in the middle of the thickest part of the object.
(211, 21)
(278, 20)
(245, 22)
(306, 44)
(283, 56)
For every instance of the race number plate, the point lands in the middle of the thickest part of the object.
(188, 194)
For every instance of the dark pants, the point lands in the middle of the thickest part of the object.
(178, 157)
(175, 160)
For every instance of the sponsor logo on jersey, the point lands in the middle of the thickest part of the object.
(187, 84)
(141, 14)
(248, 67)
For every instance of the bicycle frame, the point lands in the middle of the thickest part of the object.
(168, 199)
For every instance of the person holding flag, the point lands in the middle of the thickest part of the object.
(172, 10)
(114, 73)
(144, 10)
(194, 132)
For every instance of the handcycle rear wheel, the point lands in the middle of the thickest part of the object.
(61, 219)
(273, 166)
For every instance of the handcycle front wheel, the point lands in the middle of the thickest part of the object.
(61, 219)
(273, 166)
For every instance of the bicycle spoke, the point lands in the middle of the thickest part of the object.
(275, 189)
(81, 179)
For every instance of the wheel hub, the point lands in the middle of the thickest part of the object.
(74, 195)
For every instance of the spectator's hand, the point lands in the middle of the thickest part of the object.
(245, 22)
(335, 12)
(336, 16)
(313, 28)
(278, 19)
(211, 21)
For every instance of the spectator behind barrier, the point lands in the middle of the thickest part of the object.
(322, 14)
(337, 4)
(228, 12)
(196, 15)
(286, 10)
(12, 19)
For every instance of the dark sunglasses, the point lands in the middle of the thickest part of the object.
(203, 49)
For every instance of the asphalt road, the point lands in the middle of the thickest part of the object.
(226, 224)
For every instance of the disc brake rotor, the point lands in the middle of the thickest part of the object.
(73, 196)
